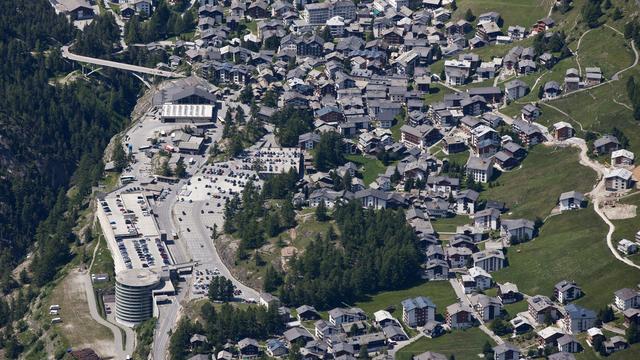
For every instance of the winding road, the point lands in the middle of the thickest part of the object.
(598, 194)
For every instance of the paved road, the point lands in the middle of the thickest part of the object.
(197, 238)
(121, 353)
(117, 65)
(166, 321)
(459, 290)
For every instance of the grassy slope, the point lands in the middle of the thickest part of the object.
(513, 12)
(532, 191)
(570, 246)
(439, 291)
(464, 345)
(606, 49)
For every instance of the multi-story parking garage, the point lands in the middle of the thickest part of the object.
(134, 294)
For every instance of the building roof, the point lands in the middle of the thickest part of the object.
(577, 196)
(622, 153)
(577, 312)
(621, 173)
(430, 355)
(626, 294)
(477, 163)
(419, 302)
(504, 347)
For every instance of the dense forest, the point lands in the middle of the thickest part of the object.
(52, 137)
(376, 251)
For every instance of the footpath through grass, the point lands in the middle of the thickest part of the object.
(533, 190)
(571, 246)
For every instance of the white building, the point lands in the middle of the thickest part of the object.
(480, 169)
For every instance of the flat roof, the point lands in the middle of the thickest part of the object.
(131, 231)
(187, 111)
(139, 277)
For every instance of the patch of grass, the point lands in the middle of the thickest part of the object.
(449, 224)
(436, 93)
(395, 130)
(463, 344)
(458, 158)
(306, 231)
(103, 263)
(513, 12)
(439, 291)
(588, 354)
(627, 228)
(515, 308)
(371, 167)
(571, 246)
(252, 26)
(532, 191)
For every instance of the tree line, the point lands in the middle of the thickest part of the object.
(223, 324)
(53, 137)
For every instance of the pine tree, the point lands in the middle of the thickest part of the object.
(633, 335)
(181, 170)
(468, 15)
(321, 212)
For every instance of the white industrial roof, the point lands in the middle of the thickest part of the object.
(187, 111)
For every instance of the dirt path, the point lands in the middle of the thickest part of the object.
(578, 49)
(598, 194)
(565, 114)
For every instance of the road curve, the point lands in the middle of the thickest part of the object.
(117, 65)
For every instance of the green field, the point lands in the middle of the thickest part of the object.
(515, 308)
(458, 158)
(532, 191)
(628, 354)
(395, 130)
(513, 12)
(307, 230)
(371, 167)
(449, 224)
(571, 246)
(464, 345)
(439, 291)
